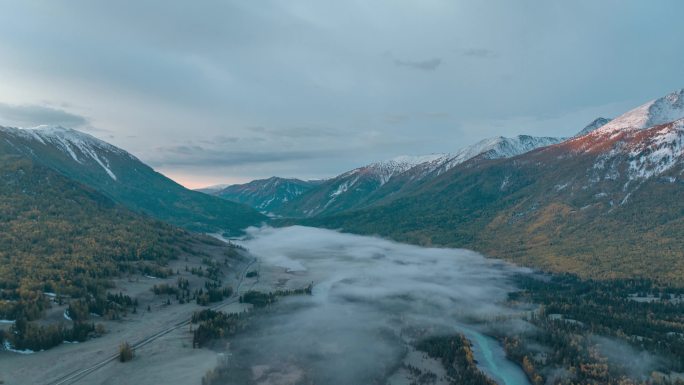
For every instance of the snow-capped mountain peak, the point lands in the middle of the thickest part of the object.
(384, 170)
(77, 145)
(497, 147)
(659, 111)
(593, 126)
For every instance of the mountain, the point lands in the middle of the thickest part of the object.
(211, 190)
(125, 179)
(382, 181)
(593, 126)
(57, 235)
(352, 188)
(490, 148)
(266, 195)
(659, 111)
(606, 204)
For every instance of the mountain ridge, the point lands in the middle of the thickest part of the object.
(662, 110)
(379, 181)
(593, 126)
(266, 195)
(124, 178)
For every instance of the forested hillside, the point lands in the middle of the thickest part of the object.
(60, 237)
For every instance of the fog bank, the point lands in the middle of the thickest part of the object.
(371, 299)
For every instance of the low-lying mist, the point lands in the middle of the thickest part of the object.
(371, 299)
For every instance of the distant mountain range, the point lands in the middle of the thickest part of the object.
(125, 179)
(604, 203)
(369, 184)
(266, 195)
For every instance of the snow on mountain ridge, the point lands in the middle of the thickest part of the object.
(71, 142)
(416, 159)
(495, 148)
(418, 167)
(385, 170)
(593, 126)
(659, 111)
(421, 165)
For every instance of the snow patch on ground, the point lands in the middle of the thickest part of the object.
(9, 348)
(504, 183)
(343, 187)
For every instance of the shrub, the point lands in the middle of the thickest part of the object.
(125, 352)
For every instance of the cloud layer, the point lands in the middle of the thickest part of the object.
(423, 65)
(35, 115)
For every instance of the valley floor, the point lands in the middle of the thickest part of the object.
(356, 311)
(162, 338)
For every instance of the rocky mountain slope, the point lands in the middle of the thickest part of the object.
(125, 179)
(383, 181)
(265, 195)
(603, 205)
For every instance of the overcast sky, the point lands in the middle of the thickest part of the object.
(226, 91)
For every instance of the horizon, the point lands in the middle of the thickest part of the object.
(190, 182)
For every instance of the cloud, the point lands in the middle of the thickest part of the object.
(256, 146)
(436, 115)
(222, 139)
(296, 132)
(397, 118)
(218, 156)
(637, 363)
(34, 115)
(479, 52)
(422, 65)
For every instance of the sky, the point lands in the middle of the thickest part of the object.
(228, 91)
